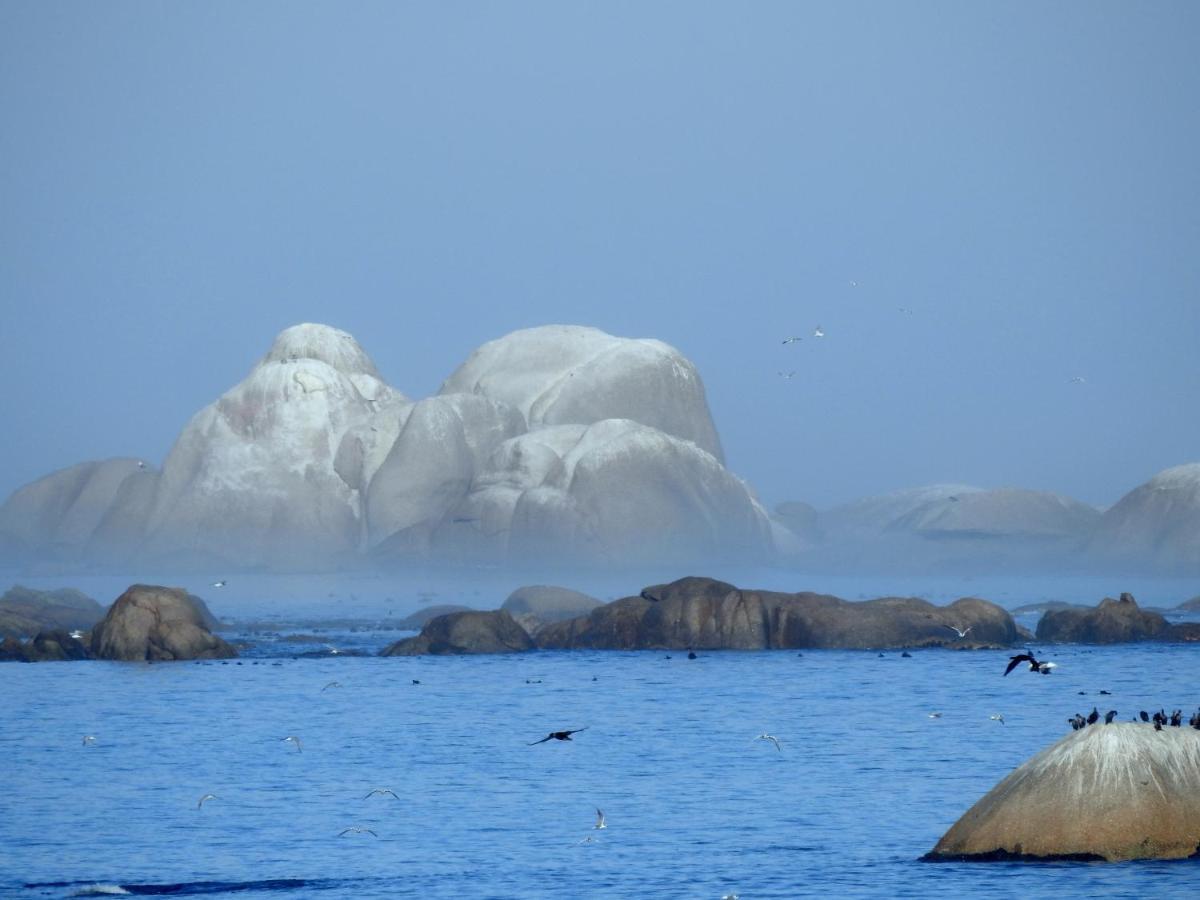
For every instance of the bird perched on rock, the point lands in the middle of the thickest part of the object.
(1093, 716)
(1109, 716)
(558, 736)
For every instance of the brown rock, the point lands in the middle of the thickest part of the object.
(25, 611)
(535, 605)
(149, 622)
(1112, 622)
(708, 614)
(52, 646)
(421, 617)
(465, 632)
(1112, 792)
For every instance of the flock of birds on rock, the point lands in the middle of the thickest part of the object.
(1159, 719)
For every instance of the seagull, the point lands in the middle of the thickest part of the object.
(905, 310)
(358, 829)
(817, 332)
(333, 651)
(77, 634)
(997, 717)
(769, 737)
(935, 715)
(792, 340)
(1078, 379)
(588, 840)
(205, 797)
(961, 632)
(558, 736)
(141, 465)
(331, 684)
(381, 792)
(791, 374)
(89, 739)
(292, 739)
(219, 584)
(600, 823)
(1034, 665)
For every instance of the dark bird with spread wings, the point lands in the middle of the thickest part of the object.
(1034, 666)
(558, 736)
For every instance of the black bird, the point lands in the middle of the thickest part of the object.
(1194, 721)
(1177, 718)
(1077, 722)
(1109, 716)
(1093, 716)
(1144, 717)
(1034, 665)
(691, 655)
(558, 736)
(1159, 719)
(1106, 693)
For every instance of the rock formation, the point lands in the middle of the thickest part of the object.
(465, 632)
(149, 622)
(535, 605)
(706, 614)
(25, 612)
(1111, 622)
(1154, 527)
(418, 620)
(1113, 792)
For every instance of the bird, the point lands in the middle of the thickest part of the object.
(1093, 716)
(961, 632)
(691, 654)
(333, 651)
(358, 829)
(791, 374)
(1177, 718)
(141, 464)
(1078, 379)
(1034, 665)
(331, 684)
(935, 715)
(818, 332)
(292, 739)
(905, 310)
(1109, 716)
(558, 736)
(769, 737)
(381, 792)
(792, 340)
(77, 634)
(1077, 722)
(89, 739)
(205, 797)
(997, 717)
(600, 823)
(219, 584)
(1144, 716)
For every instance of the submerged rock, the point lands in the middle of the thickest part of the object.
(149, 622)
(709, 614)
(1111, 622)
(465, 632)
(1113, 792)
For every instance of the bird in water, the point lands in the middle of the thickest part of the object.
(558, 736)
(1034, 666)
(997, 717)
(89, 739)
(770, 737)
(382, 792)
(935, 715)
(358, 829)
(961, 632)
(331, 684)
(205, 797)
(292, 739)
(691, 653)
(600, 823)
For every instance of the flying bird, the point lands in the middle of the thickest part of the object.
(558, 736)
(381, 792)
(769, 737)
(331, 684)
(1078, 379)
(961, 632)
(600, 823)
(997, 717)
(791, 374)
(818, 332)
(358, 829)
(1034, 666)
(792, 340)
(89, 739)
(219, 584)
(77, 634)
(141, 465)
(205, 797)
(292, 739)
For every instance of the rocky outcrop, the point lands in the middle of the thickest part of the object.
(419, 619)
(149, 622)
(1112, 792)
(1111, 622)
(706, 614)
(535, 605)
(25, 611)
(56, 646)
(464, 633)
(1155, 527)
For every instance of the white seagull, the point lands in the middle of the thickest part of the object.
(219, 584)
(791, 374)
(89, 739)
(292, 739)
(818, 332)
(1078, 379)
(961, 632)
(935, 715)
(205, 797)
(769, 737)
(358, 829)
(381, 792)
(77, 634)
(600, 823)
(997, 717)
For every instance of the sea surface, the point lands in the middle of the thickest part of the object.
(864, 782)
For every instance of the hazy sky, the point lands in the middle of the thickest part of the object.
(180, 181)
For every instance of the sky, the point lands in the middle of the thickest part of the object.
(976, 202)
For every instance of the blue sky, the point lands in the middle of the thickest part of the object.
(181, 181)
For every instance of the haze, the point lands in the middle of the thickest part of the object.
(977, 203)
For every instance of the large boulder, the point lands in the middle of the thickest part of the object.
(464, 633)
(25, 611)
(707, 614)
(1112, 792)
(535, 605)
(56, 646)
(1155, 526)
(54, 517)
(149, 622)
(571, 375)
(1111, 622)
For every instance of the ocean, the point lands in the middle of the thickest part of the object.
(864, 780)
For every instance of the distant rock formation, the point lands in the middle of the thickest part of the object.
(25, 611)
(535, 605)
(1112, 792)
(1155, 527)
(1111, 622)
(149, 622)
(48, 646)
(464, 633)
(706, 614)
(418, 620)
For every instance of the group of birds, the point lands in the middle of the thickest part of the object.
(1159, 719)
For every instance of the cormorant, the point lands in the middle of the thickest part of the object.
(558, 736)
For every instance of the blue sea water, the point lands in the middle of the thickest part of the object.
(865, 781)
